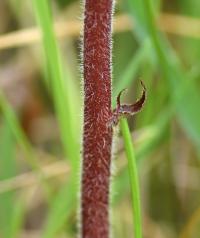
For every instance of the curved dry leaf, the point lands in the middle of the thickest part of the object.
(128, 109)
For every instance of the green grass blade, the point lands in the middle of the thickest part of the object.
(12, 120)
(8, 170)
(12, 209)
(17, 220)
(61, 86)
(61, 208)
(133, 177)
(65, 100)
(18, 133)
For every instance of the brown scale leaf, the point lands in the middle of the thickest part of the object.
(128, 109)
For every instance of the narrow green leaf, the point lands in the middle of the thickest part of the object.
(133, 177)
(7, 170)
(21, 138)
(60, 85)
(65, 102)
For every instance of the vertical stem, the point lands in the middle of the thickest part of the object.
(133, 174)
(97, 134)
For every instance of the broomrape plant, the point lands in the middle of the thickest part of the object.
(99, 118)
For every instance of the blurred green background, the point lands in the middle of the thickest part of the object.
(41, 97)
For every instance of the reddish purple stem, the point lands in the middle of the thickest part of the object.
(98, 118)
(97, 135)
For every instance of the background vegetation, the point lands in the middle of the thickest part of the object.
(41, 115)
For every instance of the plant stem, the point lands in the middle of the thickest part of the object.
(134, 183)
(97, 134)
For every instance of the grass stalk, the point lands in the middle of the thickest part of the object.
(66, 106)
(23, 142)
(60, 86)
(133, 175)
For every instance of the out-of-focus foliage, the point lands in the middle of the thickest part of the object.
(41, 115)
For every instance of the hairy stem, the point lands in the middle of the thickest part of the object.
(97, 134)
